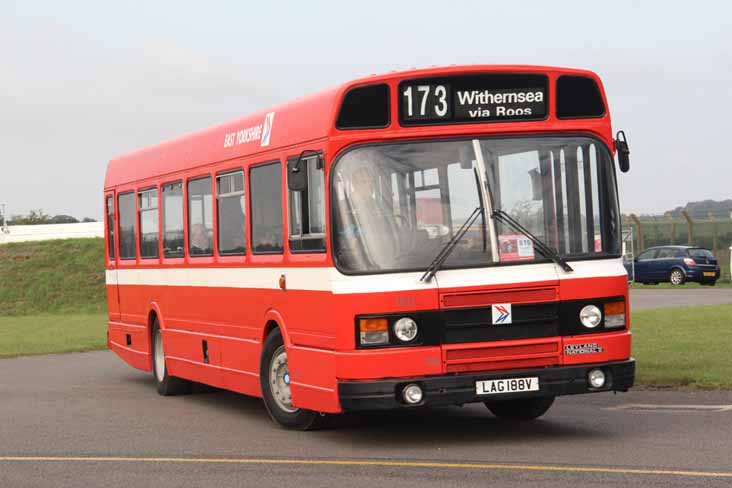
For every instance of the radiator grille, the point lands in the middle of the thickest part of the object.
(502, 356)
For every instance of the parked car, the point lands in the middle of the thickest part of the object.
(676, 264)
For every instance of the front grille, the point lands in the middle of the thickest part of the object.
(459, 359)
(530, 321)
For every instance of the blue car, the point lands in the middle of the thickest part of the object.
(675, 264)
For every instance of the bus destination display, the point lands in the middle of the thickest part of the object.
(477, 98)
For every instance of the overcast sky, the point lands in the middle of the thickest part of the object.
(81, 82)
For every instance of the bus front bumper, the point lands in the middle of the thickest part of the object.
(460, 389)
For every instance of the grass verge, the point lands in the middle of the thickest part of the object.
(46, 334)
(684, 347)
(52, 277)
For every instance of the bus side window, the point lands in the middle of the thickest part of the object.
(173, 220)
(265, 193)
(127, 230)
(110, 226)
(231, 214)
(200, 217)
(307, 210)
(148, 206)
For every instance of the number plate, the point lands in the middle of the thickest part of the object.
(508, 385)
(709, 273)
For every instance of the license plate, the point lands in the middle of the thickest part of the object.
(508, 385)
(709, 273)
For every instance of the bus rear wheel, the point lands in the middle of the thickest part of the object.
(167, 385)
(274, 378)
(523, 409)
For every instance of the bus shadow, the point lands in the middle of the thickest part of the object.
(417, 427)
(449, 425)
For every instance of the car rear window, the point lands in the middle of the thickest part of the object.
(700, 253)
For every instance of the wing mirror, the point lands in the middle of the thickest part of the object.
(297, 174)
(621, 144)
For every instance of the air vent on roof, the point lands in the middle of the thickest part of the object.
(578, 97)
(365, 107)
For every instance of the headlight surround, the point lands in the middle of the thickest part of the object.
(405, 329)
(590, 316)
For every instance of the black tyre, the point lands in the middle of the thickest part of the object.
(274, 378)
(710, 283)
(167, 385)
(523, 409)
(677, 277)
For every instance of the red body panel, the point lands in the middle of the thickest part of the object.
(318, 324)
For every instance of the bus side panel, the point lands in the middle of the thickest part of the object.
(313, 380)
(134, 352)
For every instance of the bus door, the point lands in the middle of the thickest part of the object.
(110, 267)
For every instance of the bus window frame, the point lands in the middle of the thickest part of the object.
(178, 258)
(136, 259)
(302, 236)
(186, 223)
(283, 189)
(229, 257)
(140, 191)
(111, 254)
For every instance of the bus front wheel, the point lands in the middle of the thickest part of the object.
(523, 409)
(167, 385)
(274, 378)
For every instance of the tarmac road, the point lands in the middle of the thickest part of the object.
(90, 420)
(682, 297)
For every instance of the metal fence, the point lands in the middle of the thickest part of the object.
(713, 233)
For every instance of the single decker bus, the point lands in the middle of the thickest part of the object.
(438, 236)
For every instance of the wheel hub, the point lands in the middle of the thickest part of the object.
(279, 381)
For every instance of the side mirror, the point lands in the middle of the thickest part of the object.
(297, 174)
(621, 144)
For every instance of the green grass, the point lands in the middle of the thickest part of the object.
(46, 334)
(684, 347)
(60, 276)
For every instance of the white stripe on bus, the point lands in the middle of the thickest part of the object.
(331, 280)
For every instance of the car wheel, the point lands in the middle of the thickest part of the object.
(523, 409)
(274, 379)
(710, 283)
(677, 277)
(167, 385)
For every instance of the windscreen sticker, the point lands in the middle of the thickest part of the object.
(515, 247)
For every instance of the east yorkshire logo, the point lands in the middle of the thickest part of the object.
(267, 131)
(260, 132)
(501, 313)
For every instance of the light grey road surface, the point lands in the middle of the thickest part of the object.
(683, 297)
(95, 421)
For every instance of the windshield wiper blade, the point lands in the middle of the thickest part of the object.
(444, 253)
(539, 245)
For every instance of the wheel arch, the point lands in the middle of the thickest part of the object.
(153, 314)
(273, 320)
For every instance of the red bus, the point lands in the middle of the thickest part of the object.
(430, 237)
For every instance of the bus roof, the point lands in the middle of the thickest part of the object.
(304, 119)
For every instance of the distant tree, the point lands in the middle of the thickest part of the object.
(88, 219)
(34, 217)
(63, 219)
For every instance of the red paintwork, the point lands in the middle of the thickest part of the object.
(318, 327)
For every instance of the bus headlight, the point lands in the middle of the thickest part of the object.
(405, 329)
(590, 316)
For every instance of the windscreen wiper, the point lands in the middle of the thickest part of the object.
(449, 246)
(501, 216)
